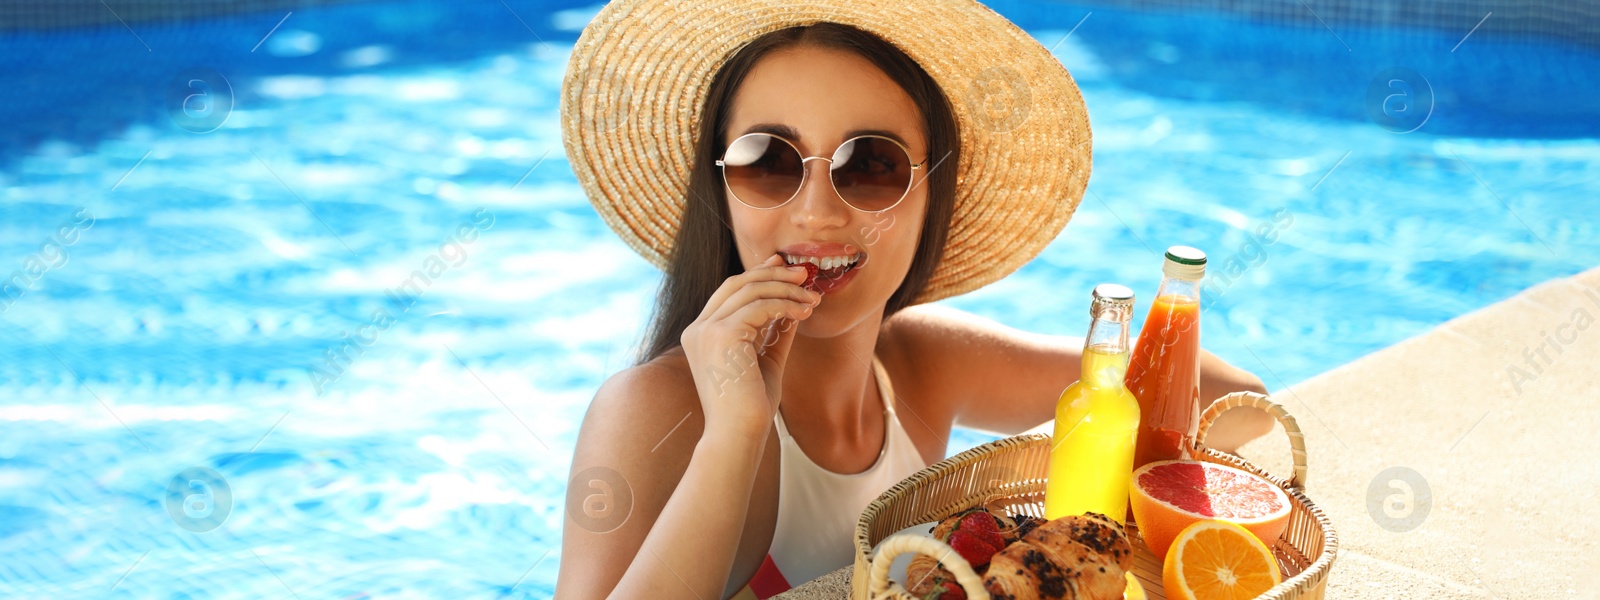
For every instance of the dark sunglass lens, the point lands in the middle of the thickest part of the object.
(871, 173)
(762, 170)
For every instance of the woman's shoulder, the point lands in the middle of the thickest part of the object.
(908, 341)
(940, 333)
(919, 350)
(669, 371)
(946, 350)
(935, 333)
(641, 405)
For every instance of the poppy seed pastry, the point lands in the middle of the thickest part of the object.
(1081, 557)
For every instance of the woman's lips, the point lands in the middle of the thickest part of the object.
(825, 285)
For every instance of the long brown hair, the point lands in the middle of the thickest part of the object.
(704, 253)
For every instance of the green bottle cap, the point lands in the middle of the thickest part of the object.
(1185, 255)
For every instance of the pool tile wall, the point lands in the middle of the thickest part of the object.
(1569, 20)
(50, 14)
(1572, 20)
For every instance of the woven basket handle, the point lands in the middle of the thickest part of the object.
(1297, 440)
(880, 587)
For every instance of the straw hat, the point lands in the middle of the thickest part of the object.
(639, 74)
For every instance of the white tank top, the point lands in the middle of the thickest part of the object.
(818, 508)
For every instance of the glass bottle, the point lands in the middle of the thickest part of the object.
(1097, 419)
(1165, 370)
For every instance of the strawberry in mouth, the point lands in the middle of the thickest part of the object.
(811, 276)
(826, 273)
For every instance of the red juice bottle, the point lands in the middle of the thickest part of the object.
(1164, 372)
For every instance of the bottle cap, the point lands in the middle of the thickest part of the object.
(1112, 301)
(1113, 291)
(1184, 262)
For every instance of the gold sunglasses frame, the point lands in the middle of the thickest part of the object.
(805, 171)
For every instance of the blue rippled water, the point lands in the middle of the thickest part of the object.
(183, 285)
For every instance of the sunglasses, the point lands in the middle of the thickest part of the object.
(870, 173)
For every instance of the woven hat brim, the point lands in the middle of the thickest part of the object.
(639, 74)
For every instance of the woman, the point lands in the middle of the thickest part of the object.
(728, 141)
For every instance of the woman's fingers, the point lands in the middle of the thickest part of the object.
(745, 333)
(752, 318)
(759, 290)
(773, 269)
(732, 284)
(748, 313)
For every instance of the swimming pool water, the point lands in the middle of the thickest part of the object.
(192, 281)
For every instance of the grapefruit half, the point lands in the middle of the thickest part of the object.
(1169, 495)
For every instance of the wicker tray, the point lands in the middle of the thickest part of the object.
(1010, 473)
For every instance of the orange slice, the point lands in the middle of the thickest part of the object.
(1217, 560)
(1134, 591)
(1169, 495)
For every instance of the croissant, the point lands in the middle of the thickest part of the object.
(925, 575)
(1021, 525)
(1075, 557)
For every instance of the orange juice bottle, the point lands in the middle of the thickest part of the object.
(1165, 370)
(1091, 451)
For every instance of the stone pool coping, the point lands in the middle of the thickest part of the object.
(1497, 412)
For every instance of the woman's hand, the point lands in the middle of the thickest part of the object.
(740, 342)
